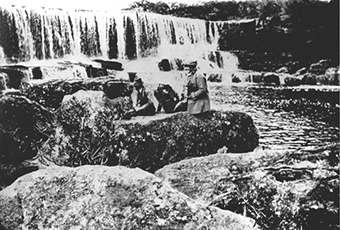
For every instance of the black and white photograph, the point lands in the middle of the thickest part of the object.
(169, 115)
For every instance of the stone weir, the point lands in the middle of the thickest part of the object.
(42, 34)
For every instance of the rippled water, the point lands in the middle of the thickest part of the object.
(280, 129)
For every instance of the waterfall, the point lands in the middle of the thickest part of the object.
(31, 34)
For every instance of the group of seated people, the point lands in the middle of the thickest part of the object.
(195, 100)
(167, 98)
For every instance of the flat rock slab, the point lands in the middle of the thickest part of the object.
(102, 197)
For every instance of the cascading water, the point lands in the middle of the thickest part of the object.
(45, 37)
(41, 33)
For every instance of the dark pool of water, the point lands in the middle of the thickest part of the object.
(285, 118)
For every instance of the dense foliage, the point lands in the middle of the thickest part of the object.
(108, 140)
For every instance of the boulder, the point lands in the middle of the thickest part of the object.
(50, 93)
(24, 127)
(149, 145)
(271, 79)
(101, 197)
(164, 65)
(114, 89)
(235, 78)
(114, 65)
(37, 73)
(279, 189)
(93, 72)
(256, 77)
(16, 75)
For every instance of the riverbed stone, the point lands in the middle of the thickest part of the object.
(51, 93)
(16, 75)
(110, 64)
(102, 197)
(271, 79)
(294, 188)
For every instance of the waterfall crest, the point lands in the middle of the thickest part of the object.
(42, 34)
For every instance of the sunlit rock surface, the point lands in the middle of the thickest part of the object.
(279, 189)
(101, 197)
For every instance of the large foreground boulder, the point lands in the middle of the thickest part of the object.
(101, 197)
(149, 145)
(23, 128)
(279, 189)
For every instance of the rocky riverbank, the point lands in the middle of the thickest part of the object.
(78, 122)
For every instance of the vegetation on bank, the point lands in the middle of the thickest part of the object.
(82, 137)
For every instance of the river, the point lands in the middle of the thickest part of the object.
(287, 119)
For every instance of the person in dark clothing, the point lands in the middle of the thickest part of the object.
(167, 99)
(144, 106)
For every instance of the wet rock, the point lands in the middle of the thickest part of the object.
(37, 73)
(93, 72)
(115, 65)
(164, 65)
(101, 197)
(235, 78)
(16, 75)
(271, 79)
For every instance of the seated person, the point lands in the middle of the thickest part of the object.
(167, 98)
(144, 106)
